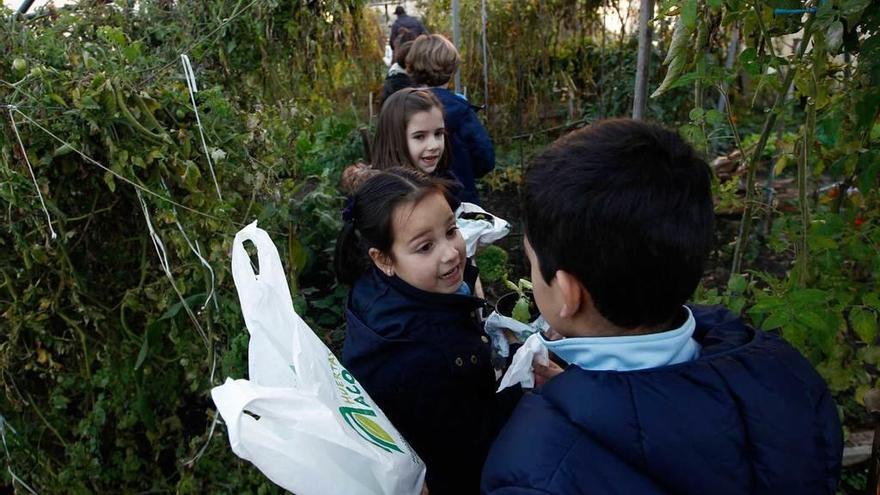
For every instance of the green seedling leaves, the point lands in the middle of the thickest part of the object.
(864, 324)
(521, 311)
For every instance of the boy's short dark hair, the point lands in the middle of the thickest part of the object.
(626, 207)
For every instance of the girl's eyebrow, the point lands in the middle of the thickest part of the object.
(419, 131)
(419, 235)
(427, 230)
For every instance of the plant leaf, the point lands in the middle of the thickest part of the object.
(521, 310)
(677, 56)
(864, 324)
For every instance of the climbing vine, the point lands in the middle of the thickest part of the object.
(115, 330)
(798, 103)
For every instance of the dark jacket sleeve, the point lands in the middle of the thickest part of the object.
(478, 143)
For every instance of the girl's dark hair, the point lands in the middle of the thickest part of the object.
(401, 52)
(370, 214)
(404, 37)
(390, 148)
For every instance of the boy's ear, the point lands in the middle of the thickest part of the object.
(382, 261)
(572, 292)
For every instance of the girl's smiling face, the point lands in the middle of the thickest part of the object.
(425, 133)
(428, 251)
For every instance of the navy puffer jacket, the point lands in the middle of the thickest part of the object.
(749, 416)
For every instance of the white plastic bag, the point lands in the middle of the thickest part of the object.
(497, 323)
(479, 227)
(302, 419)
(389, 53)
(520, 370)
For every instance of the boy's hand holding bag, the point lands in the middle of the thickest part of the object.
(302, 419)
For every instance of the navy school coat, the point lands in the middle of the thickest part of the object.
(425, 360)
(473, 155)
(749, 416)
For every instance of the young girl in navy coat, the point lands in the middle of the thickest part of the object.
(413, 339)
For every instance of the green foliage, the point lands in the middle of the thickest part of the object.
(677, 56)
(503, 177)
(822, 295)
(550, 62)
(492, 262)
(522, 309)
(833, 319)
(105, 372)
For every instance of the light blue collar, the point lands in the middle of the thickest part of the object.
(463, 289)
(629, 352)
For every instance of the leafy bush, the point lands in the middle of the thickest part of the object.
(492, 262)
(105, 361)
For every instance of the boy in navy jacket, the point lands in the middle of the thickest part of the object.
(657, 397)
(432, 61)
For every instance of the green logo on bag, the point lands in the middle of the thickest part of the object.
(368, 429)
(358, 418)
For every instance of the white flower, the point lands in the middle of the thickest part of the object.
(217, 154)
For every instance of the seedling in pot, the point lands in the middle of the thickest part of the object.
(522, 309)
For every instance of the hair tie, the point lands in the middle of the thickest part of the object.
(348, 210)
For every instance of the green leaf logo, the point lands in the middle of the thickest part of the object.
(368, 429)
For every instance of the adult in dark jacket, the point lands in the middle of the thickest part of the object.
(409, 22)
(657, 397)
(420, 353)
(749, 416)
(432, 61)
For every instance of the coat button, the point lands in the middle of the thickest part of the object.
(459, 361)
(473, 359)
(484, 339)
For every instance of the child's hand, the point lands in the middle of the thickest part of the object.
(544, 374)
(478, 289)
(510, 337)
(424, 489)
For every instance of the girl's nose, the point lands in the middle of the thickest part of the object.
(450, 253)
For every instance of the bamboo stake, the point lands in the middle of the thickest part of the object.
(746, 223)
(485, 19)
(802, 248)
(640, 96)
(732, 50)
(456, 39)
